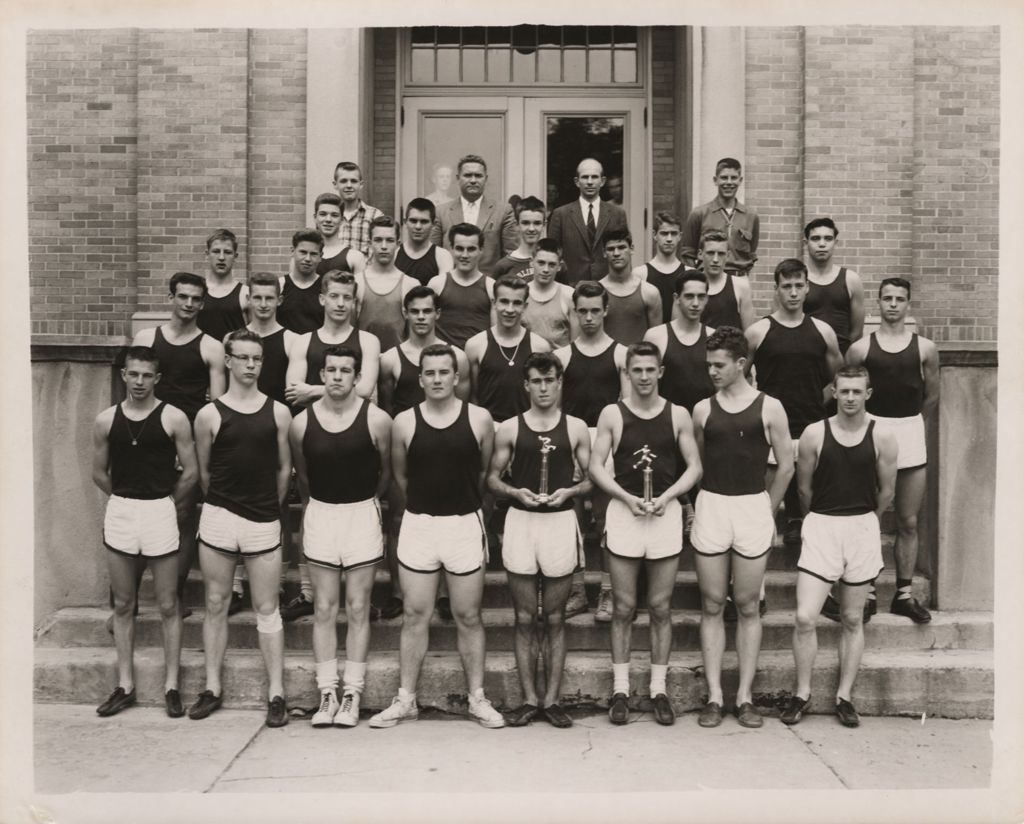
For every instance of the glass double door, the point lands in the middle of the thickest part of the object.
(531, 145)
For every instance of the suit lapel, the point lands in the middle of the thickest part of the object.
(605, 216)
(484, 213)
(577, 219)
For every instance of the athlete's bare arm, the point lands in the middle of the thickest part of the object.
(212, 352)
(658, 335)
(445, 262)
(625, 387)
(930, 371)
(101, 449)
(755, 335)
(564, 354)
(832, 355)
(296, 434)
(538, 344)
(700, 417)
(462, 387)
(297, 391)
(207, 425)
(857, 352)
(574, 322)
(579, 439)
(483, 427)
(401, 434)
(776, 429)
(744, 300)
(145, 337)
(652, 300)
(283, 419)
(367, 383)
(379, 423)
(886, 450)
(356, 261)
(438, 281)
(806, 461)
(177, 426)
(504, 446)
(389, 366)
(475, 348)
(683, 426)
(609, 430)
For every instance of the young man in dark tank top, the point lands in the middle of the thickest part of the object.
(634, 305)
(734, 523)
(847, 474)
(662, 269)
(465, 294)
(417, 256)
(337, 253)
(381, 286)
(226, 306)
(835, 294)
(729, 296)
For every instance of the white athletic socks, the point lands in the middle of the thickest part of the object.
(327, 674)
(354, 677)
(305, 584)
(606, 580)
(236, 583)
(405, 696)
(658, 675)
(620, 678)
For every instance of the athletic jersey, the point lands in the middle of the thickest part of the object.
(422, 268)
(407, 392)
(221, 315)
(527, 461)
(300, 309)
(722, 308)
(514, 266)
(792, 366)
(500, 388)
(685, 380)
(735, 449)
(666, 284)
(342, 467)
(656, 435)
(184, 375)
(626, 320)
(547, 319)
(896, 381)
(465, 310)
(272, 381)
(336, 263)
(590, 383)
(381, 315)
(142, 456)
(443, 467)
(243, 463)
(315, 356)
(831, 304)
(844, 480)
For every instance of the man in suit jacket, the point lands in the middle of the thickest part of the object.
(496, 222)
(580, 226)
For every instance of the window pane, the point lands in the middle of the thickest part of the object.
(600, 66)
(448, 35)
(575, 66)
(625, 66)
(447, 65)
(472, 65)
(423, 65)
(549, 69)
(549, 36)
(572, 137)
(423, 35)
(574, 35)
(524, 37)
(625, 35)
(599, 35)
(498, 65)
(499, 36)
(473, 36)
(524, 66)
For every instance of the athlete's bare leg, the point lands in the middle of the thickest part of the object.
(326, 599)
(165, 588)
(121, 569)
(218, 570)
(661, 581)
(420, 591)
(556, 594)
(851, 638)
(748, 576)
(713, 577)
(624, 572)
(358, 585)
(466, 592)
(910, 488)
(524, 600)
(810, 595)
(264, 582)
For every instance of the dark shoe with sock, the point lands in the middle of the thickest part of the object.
(711, 715)
(910, 608)
(205, 704)
(521, 715)
(663, 712)
(618, 710)
(556, 716)
(748, 716)
(847, 714)
(172, 703)
(296, 608)
(794, 710)
(277, 712)
(118, 700)
(870, 608)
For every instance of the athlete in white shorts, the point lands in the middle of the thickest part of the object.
(135, 446)
(341, 445)
(539, 450)
(656, 461)
(847, 474)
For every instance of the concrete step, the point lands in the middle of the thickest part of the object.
(944, 683)
(86, 627)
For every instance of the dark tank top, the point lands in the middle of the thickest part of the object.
(315, 354)
(844, 480)
(275, 366)
(666, 284)
(221, 315)
(626, 320)
(792, 366)
(500, 388)
(735, 449)
(831, 304)
(465, 310)
(184, 376)
(381, 315)
(421, 268)
(443, 467)
(527, 461)
(337, 263)
(897, 386)
(723, 309)
(142, 456)
(342, 467)
(590, 383)
(657, 435)
(408, 391)
(300, 309)
(243, 463)
(685, 381)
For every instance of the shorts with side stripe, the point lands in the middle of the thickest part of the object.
(548, 542)
(742, 523)
(232, 534)
(455, 543)
(342, 536)
(841, 547)
(910, 438)
(650, 537)
(133, 526)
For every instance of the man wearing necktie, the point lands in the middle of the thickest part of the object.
(580, 226)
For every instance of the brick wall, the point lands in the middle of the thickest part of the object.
(666, 181)
(384, 175)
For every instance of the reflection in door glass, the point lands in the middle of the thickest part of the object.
(570, 139)
(444, 138)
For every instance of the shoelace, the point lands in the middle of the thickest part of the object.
(325, 702)
(346, 702)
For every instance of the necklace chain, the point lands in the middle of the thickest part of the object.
(511, 360)
(135, 437)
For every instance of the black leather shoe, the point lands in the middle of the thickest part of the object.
(910, 608)
(794, 710)
(618, 710)
(830, 609)
(663, 712)
(277, 712)
(393, 608)
(871, 608)
(444, 609)
(711, 715)
(847, 714)
(118, 700)
(748, 716)
(729, 614)
(521, 716)
(206, 703)
(172, 702)
(556, 716)
(296, 608)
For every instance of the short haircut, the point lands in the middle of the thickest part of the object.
(383, 222)
(852, 372)
(590, 289)
(347, 166)
(437, 350)
(827, 222)
(336, 351)
(670, 218)
(265, 279)
(728, 339)
(337, 276)
(790, 268)
(422, 204)
(466, 230)
(222, 234)
(242, 335)
(548, 244)
(642, 349)
(728, 163)
(308, 236)
(147, 354)
(187, 278)
(686, 276)
(471, 158)
(530, 204)
(510, 281)
(903, 283)
(617, 235)
(417, 292)
(330, 198)
(543, 362)
(713, 236)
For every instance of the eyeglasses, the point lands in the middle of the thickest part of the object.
(248, 358)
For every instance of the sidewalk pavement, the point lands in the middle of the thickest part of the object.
(142, 750)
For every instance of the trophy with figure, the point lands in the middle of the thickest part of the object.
(545, 447)
(646, 459)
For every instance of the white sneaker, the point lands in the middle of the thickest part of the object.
(348, 715)
(328, 709)
(481, 711)
(605, 607)
(398, 711)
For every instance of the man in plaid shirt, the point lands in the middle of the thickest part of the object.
(356, 216)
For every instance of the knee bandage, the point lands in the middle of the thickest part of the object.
(269, 623)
